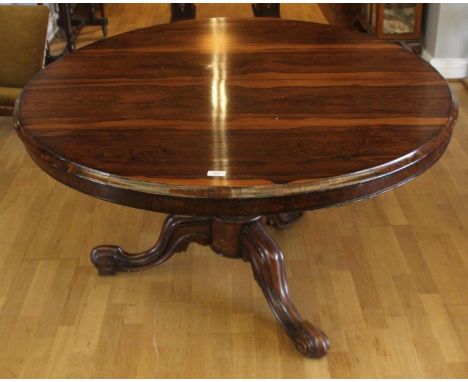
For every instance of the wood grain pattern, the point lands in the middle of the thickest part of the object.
(58, 319)
(397, 265)
(297, 113)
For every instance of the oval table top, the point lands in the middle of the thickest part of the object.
(236, 117)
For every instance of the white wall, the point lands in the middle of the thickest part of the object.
(446, 39)
(53, 16)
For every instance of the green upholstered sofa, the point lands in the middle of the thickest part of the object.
(23, 31)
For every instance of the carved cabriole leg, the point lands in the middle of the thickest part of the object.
(244, 238)
(284, 220)
(177, 233)
(266, 259)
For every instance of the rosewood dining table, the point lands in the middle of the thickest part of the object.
(230, 124)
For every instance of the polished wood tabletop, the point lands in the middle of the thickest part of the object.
(259, 115)
(230, 124)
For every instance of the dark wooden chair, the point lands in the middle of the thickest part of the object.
(266, 9)
(73, 17)
(182, 11)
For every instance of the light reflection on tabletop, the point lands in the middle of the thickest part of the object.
(219, 98)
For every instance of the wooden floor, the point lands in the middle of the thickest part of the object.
(386, 279)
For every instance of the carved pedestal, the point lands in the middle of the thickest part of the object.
(244, 238)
